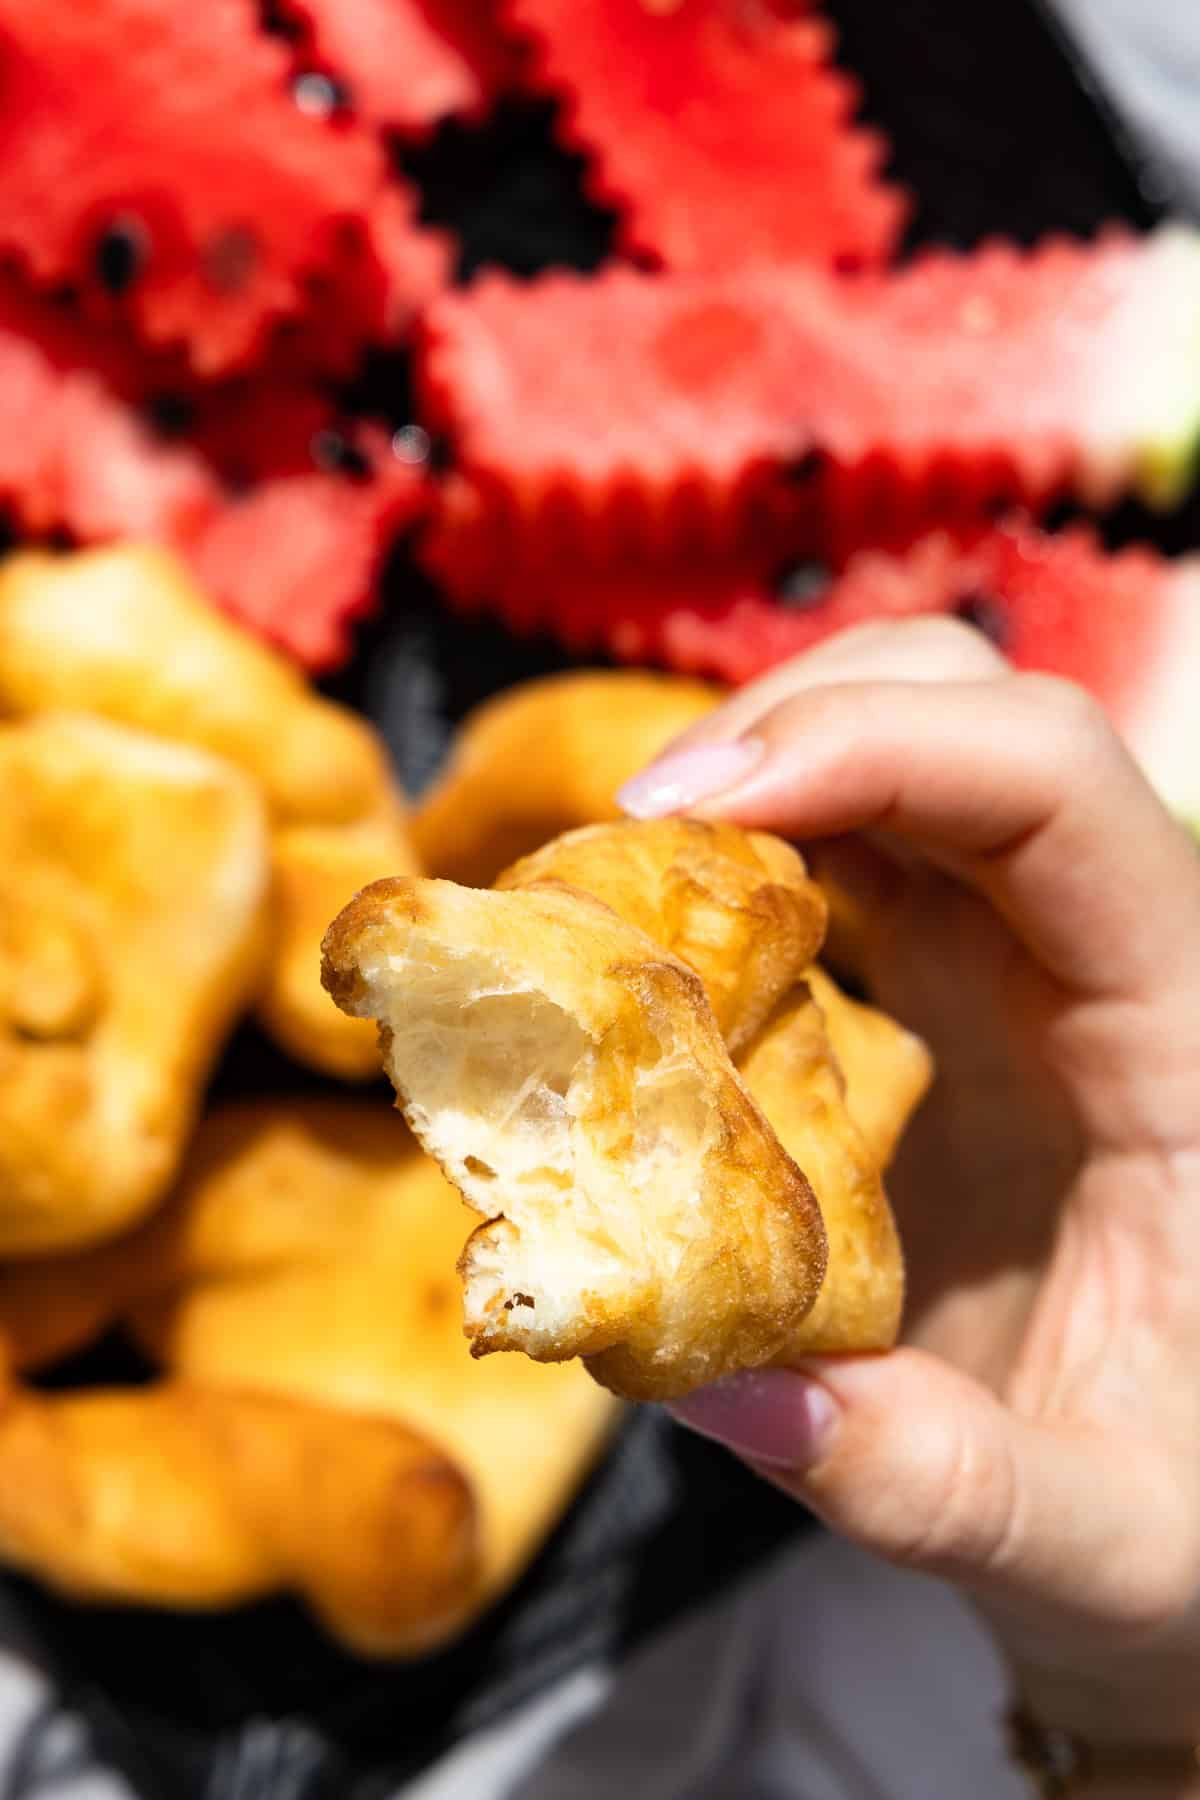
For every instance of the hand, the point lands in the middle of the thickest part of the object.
(1025, 903)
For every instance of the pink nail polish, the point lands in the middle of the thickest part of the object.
(768, 1415)
(679, 781)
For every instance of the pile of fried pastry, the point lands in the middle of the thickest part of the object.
(622, 1053)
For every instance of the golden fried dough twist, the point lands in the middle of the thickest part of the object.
(134, 885)
(307, 1255)
(125, 633)
(191, 1496)
(555, 1043)
(544, 757)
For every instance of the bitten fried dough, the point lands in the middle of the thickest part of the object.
(309, 1252)
(791, 1071)
(572, 1094)
(124, 632)
(134, 883)
(193, 1497)
(570, 1077)
(544, 757)
(735, 906)
(887, 1070)
(739, 908)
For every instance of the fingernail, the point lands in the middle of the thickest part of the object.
(769, 1415)
(679, 781)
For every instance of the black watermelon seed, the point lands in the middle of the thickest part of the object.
(171, 415)
(333, 453)
(278, 22)
(121, 253)
(319, 94)
(441, 454)
(987, 614)
(802, 586)
(805, 469)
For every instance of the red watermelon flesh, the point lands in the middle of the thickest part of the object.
(1124, 625)
(258, 428)
(406, 64)
(718, 129)
(153, 155)
(695, 407)
(73, 456)
(297, 559)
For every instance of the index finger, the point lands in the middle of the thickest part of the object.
(1018, 786)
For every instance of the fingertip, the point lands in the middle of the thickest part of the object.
(772, 1417)
(689, 777)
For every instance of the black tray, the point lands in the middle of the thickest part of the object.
(999, 129)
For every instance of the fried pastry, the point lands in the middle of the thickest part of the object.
(557, 1047)
(543, 758)
(309, 1253)
(124, 632)
(317, 869)
(196, 1497)
(792, 1073)
(134, 884)
(886, 1069)
(736, 906)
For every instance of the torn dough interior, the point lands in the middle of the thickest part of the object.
(505, 1089)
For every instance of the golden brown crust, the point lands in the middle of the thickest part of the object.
(791, 1070)
(131, 870)
(309, 1252)
(125, 633)
(735, 906)
(738, 908)
(192, 1497)
(527, 1029)
(318, 869)
(887, 1069)
(543, 758)
(698, 1245)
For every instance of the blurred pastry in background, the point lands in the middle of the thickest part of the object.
(197, 1497)
(126, 633)
(544, 757)
(317, 870)
(309, 1253)
(134, 892)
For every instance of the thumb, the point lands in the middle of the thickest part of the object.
(926, 1467)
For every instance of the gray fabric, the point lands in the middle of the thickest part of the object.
(1147, 53)
(830, 1677)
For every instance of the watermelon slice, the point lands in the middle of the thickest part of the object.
(718, 129)
(154, 157)
(1124, 625)
(404, 65)
(73, 457)
(256, 428)
(692, 409)
(296, 560)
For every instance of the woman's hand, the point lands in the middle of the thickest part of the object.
(1024, 901)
